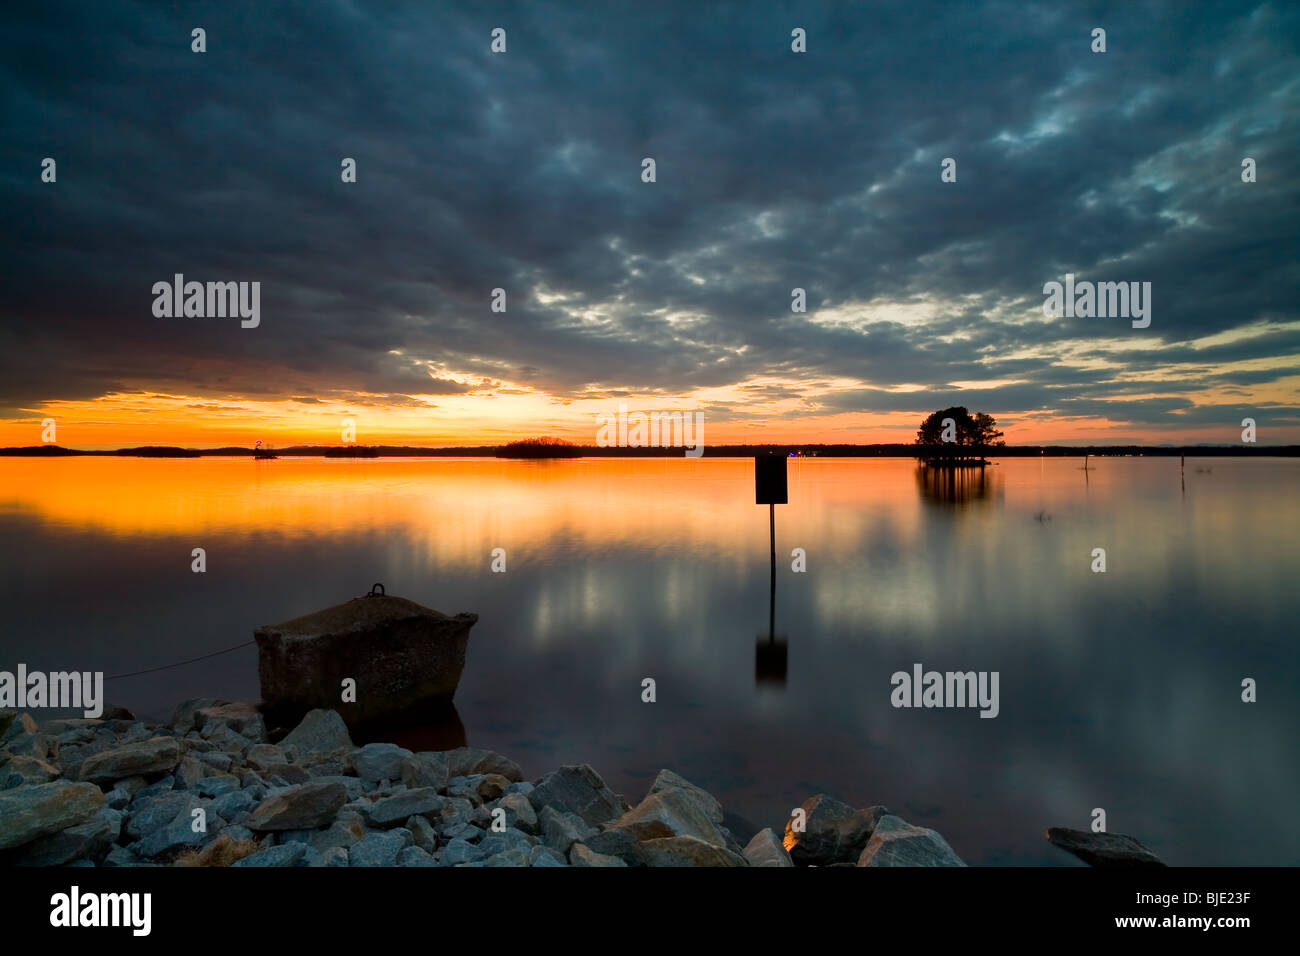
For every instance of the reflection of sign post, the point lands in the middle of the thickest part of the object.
(770, 489)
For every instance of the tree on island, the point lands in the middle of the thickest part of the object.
(948, 444)
(544, 447)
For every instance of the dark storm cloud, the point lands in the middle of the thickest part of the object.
(521, 171)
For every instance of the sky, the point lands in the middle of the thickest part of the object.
(523, 171)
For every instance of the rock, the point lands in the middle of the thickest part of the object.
(895, 842)
(117, 799)
(560, 830)
(688, 850)
(422, 833)
(121, 856)
(244, 719)
(522, 787)
(379, 849)
(72, 757)
(189, 772)
(164, 785)
(519, 812)
(262, 757)
(28, 813)
(180, 833)
(334, 856)
(458, 852)
(132, 785)
(303, 807)
(216, 786)
(146, 757)
(667, 780)
(7, 718)
(402, 653)
(379, 762)
(578, 790)
(468, 761)
(669, 813)
(286, 854)
(466, 788)
(582, 855)
(514, 856)
(492, 786)
(21, 770)
(183, 716)
(150, 812)
(834, 832)
(346, 831)
(352, 785)
(90, 841)
(1103, 849)
(493, 842)
(415, 856)
(318, 735)
(232, 806)
(545, 856)
(216, 759)
(766, 849)
(426, 769)
(391, 811)
(285, 774)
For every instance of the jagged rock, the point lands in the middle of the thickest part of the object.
(1103, 849)
(519, 812)
(189, 772)
(459, 851)
(468, 761)
(379, 849)
(560, 830)
(28, 813)
(669, 813)
(150, 812)
(375, 763)
(183, 716)
(346, 831)
(298, 808)
(582, 855)
(72, 757)
(834, 832)
(402, 653)
(216, 786)
(22, 770)
(667, 780)
(579, 790)
(232, 806)
(320, 734)
(688, 850)
(895, 842)
(545, 856)
(491, 786)
(90, 840)
(244, 719)
(146, 757)
(766, 849)
(391, 811)
(264, 756)
(415, 856)
(422, 833)
(180, 833)
(286, 854)
(334, 856)
(7, 717)
(620, 843)
(426, 769)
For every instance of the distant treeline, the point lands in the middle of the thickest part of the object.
(711, 451)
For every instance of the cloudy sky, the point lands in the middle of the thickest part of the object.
(522, 170)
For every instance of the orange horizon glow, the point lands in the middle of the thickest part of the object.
(127, 420)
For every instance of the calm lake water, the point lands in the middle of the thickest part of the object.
(1119, 690)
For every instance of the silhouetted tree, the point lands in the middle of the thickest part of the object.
(968, 433)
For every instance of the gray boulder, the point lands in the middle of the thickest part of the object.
(667, 780)
(286, 854)
(28, 813)
(582, 855)
(375, 763)
(468, 761)
(379, 849)
(303, 807)
(578, 790)
(426, 769)
(401, 653)
(834, 832)
(90, 841)
(392, 811)
(895, 842)
(766, 849)
(560, 830)
(688, 850)
(21, 770)
(146, 757)
(1103, 849)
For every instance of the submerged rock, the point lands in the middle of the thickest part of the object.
(400, 654)
(1103, 849)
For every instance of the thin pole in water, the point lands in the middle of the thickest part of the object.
(771, 605)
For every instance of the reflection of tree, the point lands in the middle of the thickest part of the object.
(955, 486)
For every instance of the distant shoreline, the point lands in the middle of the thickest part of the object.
(714, 451)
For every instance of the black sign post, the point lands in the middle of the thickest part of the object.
(770, 489)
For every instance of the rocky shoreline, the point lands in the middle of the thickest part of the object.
(215, 788)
